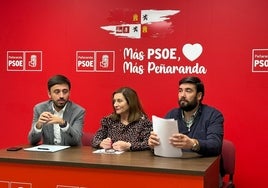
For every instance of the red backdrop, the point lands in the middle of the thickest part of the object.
(69, 37)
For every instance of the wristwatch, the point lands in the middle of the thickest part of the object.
(63, 125)
(196, 145)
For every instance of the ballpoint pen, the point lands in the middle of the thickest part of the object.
(43, 148)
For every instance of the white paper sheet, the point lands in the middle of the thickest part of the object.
(164, 128)
(46, 148)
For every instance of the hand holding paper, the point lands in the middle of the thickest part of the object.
(164, 128)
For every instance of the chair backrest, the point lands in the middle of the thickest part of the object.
(228, 156)
(87, 138)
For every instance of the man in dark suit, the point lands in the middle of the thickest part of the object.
(58, 120)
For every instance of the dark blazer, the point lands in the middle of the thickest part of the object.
(73, 114)
(207, 128)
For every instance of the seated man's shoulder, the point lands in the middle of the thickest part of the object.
(43, 104)
(210, 109)
(75, 105)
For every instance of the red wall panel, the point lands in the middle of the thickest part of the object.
(228, 31)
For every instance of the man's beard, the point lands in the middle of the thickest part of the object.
(188, 106)
(60, 105)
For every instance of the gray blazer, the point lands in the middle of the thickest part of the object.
(73, 114)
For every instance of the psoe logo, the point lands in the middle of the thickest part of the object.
(95, 61)
(260, 60)
(15, 61)
(24, 61)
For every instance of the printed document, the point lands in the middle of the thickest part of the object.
(164, 128)
(46, 148)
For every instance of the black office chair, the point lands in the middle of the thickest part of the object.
(228, 156)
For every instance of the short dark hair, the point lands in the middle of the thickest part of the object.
(196, 81)
(58, 79)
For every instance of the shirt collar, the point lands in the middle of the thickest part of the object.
(194, 114)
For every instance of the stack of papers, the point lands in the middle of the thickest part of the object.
(46, 148)
(164, 128)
